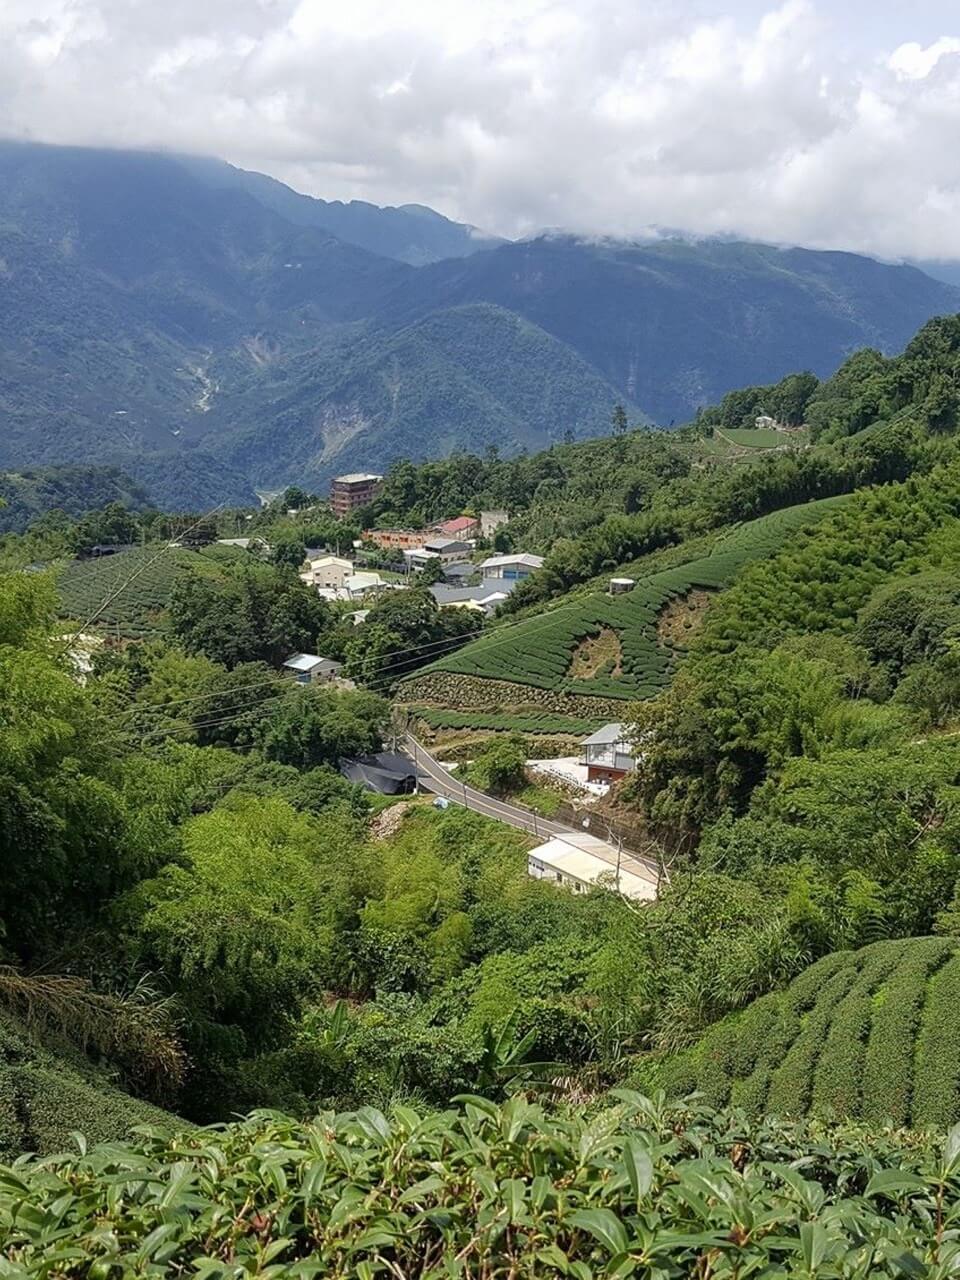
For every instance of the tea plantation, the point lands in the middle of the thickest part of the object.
(45, 1096)
(639, 1188)
(138, 609)
(538, 651)
(437, 718)
(870, 1035)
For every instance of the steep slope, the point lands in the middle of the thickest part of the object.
(27, 495)
(151, 305)
(869, 1034)
(410, 233)
(45, 1097)
(533, 665)
(472, 374)
(675, 324)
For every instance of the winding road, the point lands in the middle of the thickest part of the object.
(435, 778)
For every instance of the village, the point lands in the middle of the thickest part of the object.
(445, 555)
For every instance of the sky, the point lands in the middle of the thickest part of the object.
(830, 123)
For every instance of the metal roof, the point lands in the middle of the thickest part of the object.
(494, 588)
(524, 558)
(589, 859)
(605, 735)
(308, 662)
(355, 477)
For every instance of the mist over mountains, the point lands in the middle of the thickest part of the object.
(211, 330)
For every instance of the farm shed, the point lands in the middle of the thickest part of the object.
(580, 861)
(385, 772)
(310, 668)
(607, 754)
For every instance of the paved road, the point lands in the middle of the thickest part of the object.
(437, 779)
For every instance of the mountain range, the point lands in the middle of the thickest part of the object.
(211, 330)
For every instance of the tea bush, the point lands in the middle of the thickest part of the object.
(641, 1188)
(870, 1035)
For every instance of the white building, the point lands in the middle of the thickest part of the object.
(358, 584)
(329, 572)
(580, 861)
(310, 668)
(491, 521)
(512, 566)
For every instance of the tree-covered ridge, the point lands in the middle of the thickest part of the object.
(877, 580)
(210, 331)
(27, 495)
(639, 1188)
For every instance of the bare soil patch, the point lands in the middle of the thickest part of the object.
(682, 618)
(597, 655)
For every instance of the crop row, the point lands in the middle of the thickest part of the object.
(441, 719)
(538, 651)
(135, 585)
(871, 1035)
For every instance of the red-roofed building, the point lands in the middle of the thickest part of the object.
(460, 526)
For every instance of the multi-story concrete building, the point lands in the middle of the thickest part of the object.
(351, 491)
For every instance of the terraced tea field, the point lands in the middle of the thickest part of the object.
(543, 653)
(138, 610)
(870, 1034)
(437, 718)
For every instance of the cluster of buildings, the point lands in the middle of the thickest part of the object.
(462, 583)
(459, 580)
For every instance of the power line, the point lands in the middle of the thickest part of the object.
(110, 597)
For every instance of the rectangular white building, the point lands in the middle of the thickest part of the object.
(580, 861)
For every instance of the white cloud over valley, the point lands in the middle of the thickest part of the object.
(602, 116)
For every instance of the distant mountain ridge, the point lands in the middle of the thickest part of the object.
(210, 330)
(410, 233)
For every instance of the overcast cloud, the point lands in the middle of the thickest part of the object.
(783, 123)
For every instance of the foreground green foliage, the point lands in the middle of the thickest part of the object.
(638, 1189)
(868, 1035)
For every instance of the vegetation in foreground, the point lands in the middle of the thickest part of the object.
(640, 1188)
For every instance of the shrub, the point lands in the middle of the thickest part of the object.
(871, 1034)
(641, 1188)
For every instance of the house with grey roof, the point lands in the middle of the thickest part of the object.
(310, 668)
(608, 754)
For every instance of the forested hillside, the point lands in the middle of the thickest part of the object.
(27, 495)
(156, 308)
(202, 917)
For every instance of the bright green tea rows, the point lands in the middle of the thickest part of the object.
(870, 1035)
(149, 573)
(539, 650)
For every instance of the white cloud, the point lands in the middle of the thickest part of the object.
(604, 116)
